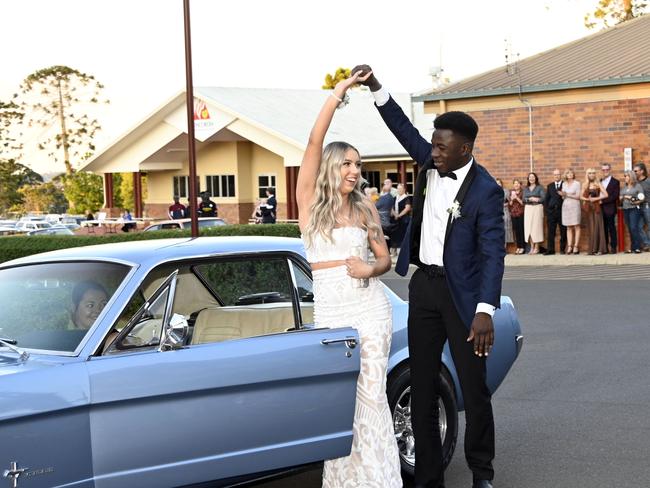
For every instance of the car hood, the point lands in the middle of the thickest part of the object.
(10, 363)
(41, 384)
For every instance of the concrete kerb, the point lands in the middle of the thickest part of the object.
(583, 259)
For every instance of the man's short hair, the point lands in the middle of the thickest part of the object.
(459, 123)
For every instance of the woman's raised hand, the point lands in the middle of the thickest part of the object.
(343, 85)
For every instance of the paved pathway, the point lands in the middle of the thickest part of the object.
(624, 272)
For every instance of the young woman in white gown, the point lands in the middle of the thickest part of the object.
(335, 216)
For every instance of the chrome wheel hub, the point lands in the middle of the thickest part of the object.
(404, 429)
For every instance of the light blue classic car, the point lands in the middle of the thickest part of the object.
(178, 362)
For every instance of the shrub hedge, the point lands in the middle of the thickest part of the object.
(13, 247)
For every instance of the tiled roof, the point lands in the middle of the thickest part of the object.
(292, 113)
(613, 56)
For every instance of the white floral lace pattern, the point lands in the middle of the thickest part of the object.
(374, 459)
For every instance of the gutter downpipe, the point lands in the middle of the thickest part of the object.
(530, 128)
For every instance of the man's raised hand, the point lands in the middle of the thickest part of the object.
(370, 81)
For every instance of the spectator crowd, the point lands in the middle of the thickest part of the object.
(534, 214)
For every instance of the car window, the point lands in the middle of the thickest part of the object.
(255, 298)
(305, 290)
(171, 225)
(51, 306)
(190, 298)
(210, 223)
(147, 331)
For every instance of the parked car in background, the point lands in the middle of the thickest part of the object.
(68, 225)
(182, 224)
(28, 225)
(72, 219)
(54, 230)
(7, 227)
(170, 362)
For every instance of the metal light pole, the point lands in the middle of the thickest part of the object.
(189, 92)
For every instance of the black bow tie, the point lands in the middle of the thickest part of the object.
(450, 174)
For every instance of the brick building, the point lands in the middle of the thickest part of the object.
(578, 105)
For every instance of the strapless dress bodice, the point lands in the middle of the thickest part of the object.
(343, 240)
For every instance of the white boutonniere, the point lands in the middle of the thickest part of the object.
(454, 210)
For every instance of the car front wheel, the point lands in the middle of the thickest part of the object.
(399, 400)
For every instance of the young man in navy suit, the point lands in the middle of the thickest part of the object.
(456, 240)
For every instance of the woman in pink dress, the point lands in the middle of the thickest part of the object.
(571, 210)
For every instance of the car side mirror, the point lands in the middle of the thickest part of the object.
(175, 333)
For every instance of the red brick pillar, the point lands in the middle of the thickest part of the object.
(137, 194)
(401, 169)
(108, 190)
(291, 173)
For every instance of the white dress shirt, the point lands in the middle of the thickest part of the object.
(605, 181)
(440, 195)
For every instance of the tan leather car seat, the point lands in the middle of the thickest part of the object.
(218, 324)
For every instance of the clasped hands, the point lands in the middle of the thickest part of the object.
(482, 333)
(357, 77)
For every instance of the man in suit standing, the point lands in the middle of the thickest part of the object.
(455, 238)
(609, 206)
(553, 206)
(272, 206)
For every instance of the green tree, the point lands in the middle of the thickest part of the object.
(332, 80)
(612, 12)
(10, 116)
(45, 197)
(56, 101)
(118, 199)
(126, 191)
(84, 191)
(14, 176)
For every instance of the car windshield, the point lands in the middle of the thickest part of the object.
(51, 306)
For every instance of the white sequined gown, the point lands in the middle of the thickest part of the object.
(374, 459)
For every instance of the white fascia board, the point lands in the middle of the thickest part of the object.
(129, 158)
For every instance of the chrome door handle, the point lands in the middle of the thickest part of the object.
(350, 342)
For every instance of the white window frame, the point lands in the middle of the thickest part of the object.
(230, 191)
(261, 189)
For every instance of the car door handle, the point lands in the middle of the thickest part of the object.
(350, 342)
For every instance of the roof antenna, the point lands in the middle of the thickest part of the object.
(512, 65)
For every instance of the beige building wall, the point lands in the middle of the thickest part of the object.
(264, 162)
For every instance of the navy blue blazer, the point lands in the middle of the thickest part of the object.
(474, 248)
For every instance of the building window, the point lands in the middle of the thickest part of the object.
(220, 185)
(264, 182)
(373, 179)
(409, 180)
(181, 186)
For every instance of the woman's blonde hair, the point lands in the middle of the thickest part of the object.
(566, 173)
(632, 176)
(328, 200)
